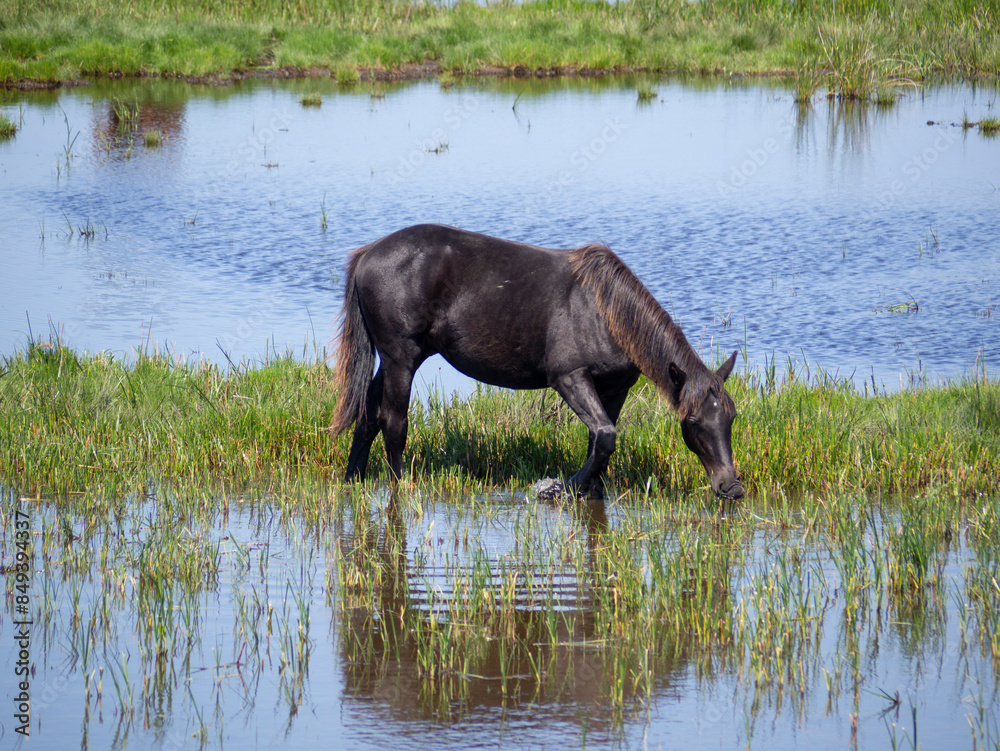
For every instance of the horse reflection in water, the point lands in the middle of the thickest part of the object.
(382, 650)
(526, 632)
(521, 317)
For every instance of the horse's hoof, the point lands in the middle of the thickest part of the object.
(548, 489)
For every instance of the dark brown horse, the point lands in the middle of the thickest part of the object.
(519, 317)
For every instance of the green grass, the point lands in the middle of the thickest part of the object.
(69, 420)
(184, 532)
(645, 92)
(860, 44)
(8, 128)
(989, 126)
(154, 138)
(126, 114)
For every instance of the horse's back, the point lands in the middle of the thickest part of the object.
(500, 311)
(429, 245)
(439, 266)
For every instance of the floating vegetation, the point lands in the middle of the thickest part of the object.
(909, 306)
(311, 100)
(645, 92)
(989, 126)
(154, 138)
(8, 128)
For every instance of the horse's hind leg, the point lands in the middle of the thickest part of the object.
(366, 430)
(394, 414)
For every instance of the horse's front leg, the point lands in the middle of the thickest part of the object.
(577, 388)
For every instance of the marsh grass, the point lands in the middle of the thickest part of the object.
(989, 126)
(154, 138)
(439, 598)
(808, 79)
(72, 419)
(66, 40)
(180, 485)
(856, 68)
(8, 128)
(645, 92)
(126, 114)
(784, 601)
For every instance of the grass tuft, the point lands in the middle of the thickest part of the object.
(154, 138)
(126, 114)
(8, 128)
(645, 92)
(989, 126)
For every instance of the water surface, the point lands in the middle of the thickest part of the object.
(847, 239)
(270, 638)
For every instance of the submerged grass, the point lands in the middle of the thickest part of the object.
(65, 40)
(443, 600)
(70, 420)
(601, 617)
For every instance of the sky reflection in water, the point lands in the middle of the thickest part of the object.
(787, 232)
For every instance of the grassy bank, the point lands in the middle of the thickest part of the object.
(889, 39)
(69, 422)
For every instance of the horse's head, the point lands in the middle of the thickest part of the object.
(707, 415)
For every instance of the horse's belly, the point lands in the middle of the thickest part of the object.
(506, 369)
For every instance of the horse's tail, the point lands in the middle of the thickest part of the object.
(355, 357)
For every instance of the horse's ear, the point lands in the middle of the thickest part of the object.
(677, 376)
(727, 367)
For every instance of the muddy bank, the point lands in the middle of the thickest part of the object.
(366, 74)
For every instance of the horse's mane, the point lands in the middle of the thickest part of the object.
(641, 327)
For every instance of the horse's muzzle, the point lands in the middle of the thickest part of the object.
(732, 492)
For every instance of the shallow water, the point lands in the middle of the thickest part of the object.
(792, 233)
(279, 647)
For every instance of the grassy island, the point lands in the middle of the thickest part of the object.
(842, 45)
